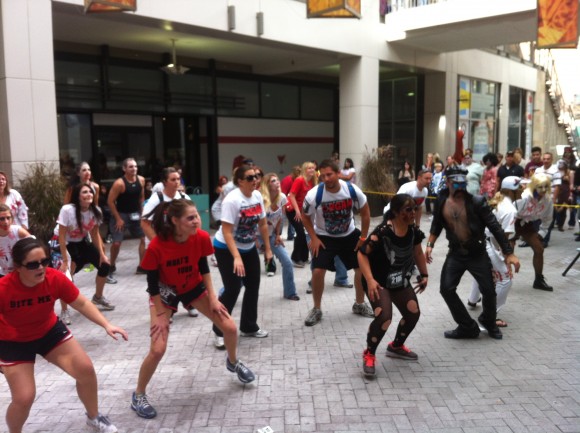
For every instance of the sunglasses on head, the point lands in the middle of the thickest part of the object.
(251, 178)
(5, 218)
(31, 266)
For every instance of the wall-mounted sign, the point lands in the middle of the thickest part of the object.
(557, 24)
(110, 6)
(333, 9)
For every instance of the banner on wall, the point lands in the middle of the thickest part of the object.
(557, 24)
(464, 98)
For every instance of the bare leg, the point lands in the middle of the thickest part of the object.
(20, 379)
(115, 248)
(359, 291)
(153, 358)
(318, 286)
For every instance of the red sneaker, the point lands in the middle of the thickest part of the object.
(369, 363)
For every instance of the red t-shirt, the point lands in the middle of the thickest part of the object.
(178, 262)
(286, 184)
(299, 188)
(27, 313)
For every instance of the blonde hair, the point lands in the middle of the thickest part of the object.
(305, 166)
(265, 190)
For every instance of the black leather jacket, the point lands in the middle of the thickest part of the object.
(479, 216)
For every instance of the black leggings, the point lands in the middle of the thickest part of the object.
(300, 252)
(83, 253)
(233, 284)
(406, 302)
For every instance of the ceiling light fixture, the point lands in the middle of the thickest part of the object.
(173, 68)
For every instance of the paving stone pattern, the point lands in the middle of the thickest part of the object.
(309, 379)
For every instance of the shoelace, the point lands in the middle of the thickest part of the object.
(103, 420)
(369, 359)
(403, 348)
(241, 367)
(142, 401)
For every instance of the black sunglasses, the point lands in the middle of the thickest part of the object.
(251, 178)
(31, 266)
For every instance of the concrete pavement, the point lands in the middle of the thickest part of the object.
(309, 379)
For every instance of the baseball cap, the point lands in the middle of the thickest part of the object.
(511, 182)
(509, 153)
(456, 174)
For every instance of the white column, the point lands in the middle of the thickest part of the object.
(28, 127)
(359, 107)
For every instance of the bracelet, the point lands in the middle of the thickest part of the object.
(363, 238)
(430, 244)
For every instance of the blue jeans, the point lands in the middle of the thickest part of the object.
(287, 268)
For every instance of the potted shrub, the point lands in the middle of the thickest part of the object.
(42, 188)
(377, 177)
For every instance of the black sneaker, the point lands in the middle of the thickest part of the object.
(402, 352)
(270, 268)
(141, 406)
(140, 271)
(244, 373)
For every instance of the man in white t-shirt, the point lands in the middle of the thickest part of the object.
(328, 217)
(418, 190)
(551, 170)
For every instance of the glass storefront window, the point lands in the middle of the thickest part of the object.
(316, 104)
(135, 89)
(477, 115)
(190, 94)
(78, 85)
(237, 98)
(279, 100)
(74, 140)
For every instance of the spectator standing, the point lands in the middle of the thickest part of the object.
(9, 235)
(535, 162)
(474, 174)
(348, 172)
(489, 179)
(12, 198)
(510, 168)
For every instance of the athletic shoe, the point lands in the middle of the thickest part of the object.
(260, 333)
(369, 361)
(270, 269)
(402, 352)
(309, 289)
(218, 342)
(109, 239)
(473, 305)
(140, 271)
(111, 280)
(314, 316)
(363, 309)
(101, 424)
(103, 303)
(297, 264)
(65, 317)
(344, 285)
(192, 312)
(244, 373)
(112, 269)
(140, 404)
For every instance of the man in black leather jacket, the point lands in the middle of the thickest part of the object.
(464, 218)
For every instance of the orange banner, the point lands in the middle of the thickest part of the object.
(557, 24)
(333, 9)
(110, 5)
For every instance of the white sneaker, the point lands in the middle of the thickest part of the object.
(218, 342)
(260, 333)
(65, 317)
(192, 312)
(101, 424)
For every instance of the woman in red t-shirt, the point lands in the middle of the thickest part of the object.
(29, 326)
(177, 271)
(300, 187)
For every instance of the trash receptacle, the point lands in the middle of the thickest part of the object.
(202, 203)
